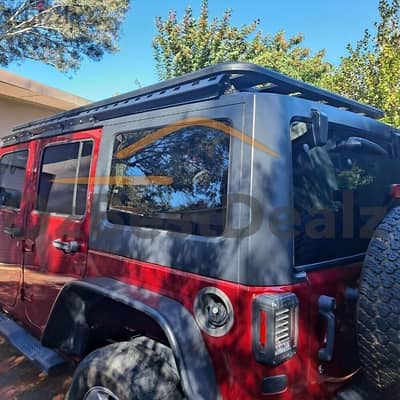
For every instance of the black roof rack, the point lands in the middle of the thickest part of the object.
(208, 83)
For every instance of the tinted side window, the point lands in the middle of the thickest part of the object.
(12, 178)
(340, 194)
(60, 189)
(177, 182)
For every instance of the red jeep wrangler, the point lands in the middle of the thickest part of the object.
(229, 234)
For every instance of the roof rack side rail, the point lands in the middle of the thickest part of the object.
(207, 83)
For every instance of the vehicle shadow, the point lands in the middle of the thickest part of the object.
(20, 379)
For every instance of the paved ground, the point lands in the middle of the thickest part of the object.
(21, 380)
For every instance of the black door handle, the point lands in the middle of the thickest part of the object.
(326, 308)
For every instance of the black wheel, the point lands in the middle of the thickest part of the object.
(138, 370)
(379, 307)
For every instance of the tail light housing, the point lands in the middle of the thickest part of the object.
(275, 327)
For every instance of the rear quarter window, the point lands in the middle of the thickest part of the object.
(175, 181)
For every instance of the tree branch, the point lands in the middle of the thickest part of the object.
(38, 17)
(24, 6)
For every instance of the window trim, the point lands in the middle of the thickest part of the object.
(54, 144)
(334, 262)
(26, 149)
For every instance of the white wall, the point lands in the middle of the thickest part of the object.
(14, 113)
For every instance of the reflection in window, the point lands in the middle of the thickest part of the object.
(340, 194)
(59, 189)
(12, 177)
(177, 182)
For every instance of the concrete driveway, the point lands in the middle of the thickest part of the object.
(22, 380)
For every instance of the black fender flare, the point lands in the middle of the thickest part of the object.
(191, 355)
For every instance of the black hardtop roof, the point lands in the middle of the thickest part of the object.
(205, 84)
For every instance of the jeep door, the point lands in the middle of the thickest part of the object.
(13, 181)
(58, 223)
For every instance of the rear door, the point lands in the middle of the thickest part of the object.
(13, 179)
(341, 192)
(58, 224)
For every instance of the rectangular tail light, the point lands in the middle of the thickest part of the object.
(275, 327)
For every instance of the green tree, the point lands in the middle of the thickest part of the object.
(190, 44)
(289, 57)
(370, 73)
(59, 32)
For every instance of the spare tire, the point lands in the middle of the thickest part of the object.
(379, 306)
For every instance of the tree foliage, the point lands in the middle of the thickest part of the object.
(190, 44)
(59, 32)
(370, 73)
(289, 57)
(181, 47)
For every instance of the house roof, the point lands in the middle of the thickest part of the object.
(23, 89)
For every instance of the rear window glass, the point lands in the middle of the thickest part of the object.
(175, 181)
(341, 192)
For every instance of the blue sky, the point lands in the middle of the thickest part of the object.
(325, 24)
